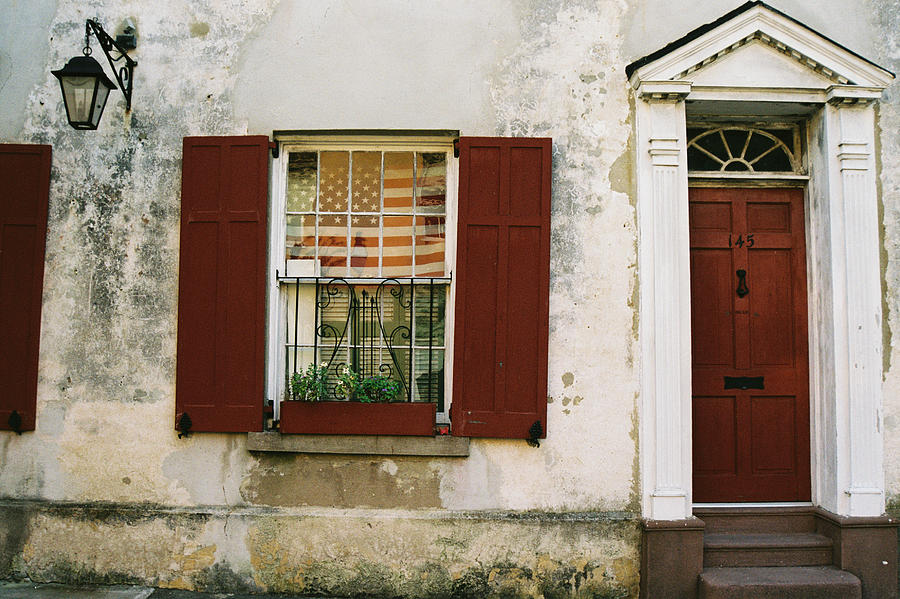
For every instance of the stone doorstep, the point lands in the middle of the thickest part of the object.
(756, 549)
(821, 582)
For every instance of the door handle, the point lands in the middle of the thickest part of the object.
(742, 289)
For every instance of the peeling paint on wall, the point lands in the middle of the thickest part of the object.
(884, 16)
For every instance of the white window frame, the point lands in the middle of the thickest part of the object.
(386, 142)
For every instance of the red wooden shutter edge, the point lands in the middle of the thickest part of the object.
(520, 416)
(205, 406)
(23, 402)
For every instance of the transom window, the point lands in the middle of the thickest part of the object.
(739, 148)
(365, 282)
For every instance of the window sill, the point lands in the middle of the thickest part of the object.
(440, 446)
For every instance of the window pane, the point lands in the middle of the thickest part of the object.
(366, 182)
(396, 366)
(333, 244)
(430, 301)
(364, 233)
(712, 142)
(300, 237)
(700, 161)
(334, 313)
(431, 182)
(737, 141)
(430, 234)
(333, 184)
(767, 154)
(302, 327)
(398, 241)
(398, 181)
(429, 377)
(301, 182)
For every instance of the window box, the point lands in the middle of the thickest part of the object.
(349, 417)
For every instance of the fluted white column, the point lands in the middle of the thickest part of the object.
(665, 300)
(857, 333)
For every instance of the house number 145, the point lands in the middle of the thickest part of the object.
(740, 241)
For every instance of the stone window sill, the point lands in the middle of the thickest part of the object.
(438, 446)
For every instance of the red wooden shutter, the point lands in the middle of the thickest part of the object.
(502, 288)
(25, 172)
(221, 283)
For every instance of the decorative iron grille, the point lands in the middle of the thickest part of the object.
(391, 327)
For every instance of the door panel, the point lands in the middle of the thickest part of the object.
(716, 455)
(712, 338)
(749, 342)
(771, 313)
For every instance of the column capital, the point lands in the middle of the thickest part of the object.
(664, 91)
(852, 95)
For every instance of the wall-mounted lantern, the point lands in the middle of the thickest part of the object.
(85, 87)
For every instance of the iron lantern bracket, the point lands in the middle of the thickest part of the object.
(124, 73)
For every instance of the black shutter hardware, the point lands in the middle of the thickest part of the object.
(184, 425)
(534, 433)
(15, 422)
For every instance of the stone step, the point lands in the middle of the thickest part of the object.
(764, 549)
(779, 583)
(773, 520)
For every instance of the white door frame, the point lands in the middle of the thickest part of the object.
(837, 97)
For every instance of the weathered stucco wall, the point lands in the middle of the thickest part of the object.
(885, 16)
(369, 553)
(110, 289)
(106, 389)
(320, 522)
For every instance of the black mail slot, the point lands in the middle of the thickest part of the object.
(744, 382)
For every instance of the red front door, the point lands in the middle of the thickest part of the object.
(748, 327)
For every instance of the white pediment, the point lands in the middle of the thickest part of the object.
(758, 46)
(756, 64)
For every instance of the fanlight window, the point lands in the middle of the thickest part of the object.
(743, 149)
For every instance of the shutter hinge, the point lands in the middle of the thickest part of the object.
(184, 425)
(15, 422)
(534, 433)
(274, 147)
(456, 148)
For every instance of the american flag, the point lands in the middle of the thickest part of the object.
(366, 218)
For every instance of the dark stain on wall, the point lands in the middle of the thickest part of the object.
(332, 481)
(14, 528)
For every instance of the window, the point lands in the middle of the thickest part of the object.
(364, 229)
(438, 272)
(744, 149)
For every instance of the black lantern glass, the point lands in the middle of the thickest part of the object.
(85, 88)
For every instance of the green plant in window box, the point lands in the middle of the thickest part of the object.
(309, 385)
(347, 382)
(378, 389)
(373, 389)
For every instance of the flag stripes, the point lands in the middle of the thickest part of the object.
(368, 214)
